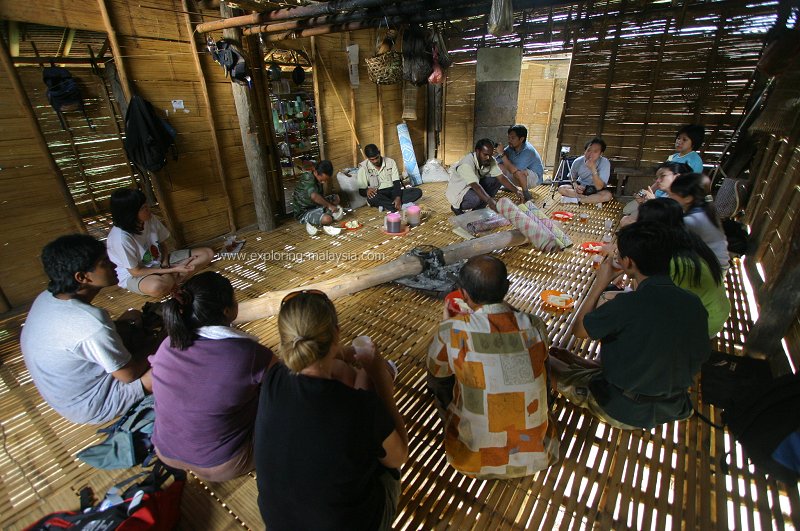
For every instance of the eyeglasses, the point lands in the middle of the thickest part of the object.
(294, 294)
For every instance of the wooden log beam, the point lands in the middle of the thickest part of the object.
(223, 178)
(116, 50)
(38, 137)
(253, 139)
(404, 8)
(269, 303)
(313, 10)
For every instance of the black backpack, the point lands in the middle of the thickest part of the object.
(762, 419)
(63, 93)
(148, 137)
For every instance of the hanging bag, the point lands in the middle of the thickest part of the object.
(501, 18)
(386, 67)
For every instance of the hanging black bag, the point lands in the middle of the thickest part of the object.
(148, 137)
(63, 93)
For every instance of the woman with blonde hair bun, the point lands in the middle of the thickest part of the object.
(329, 438)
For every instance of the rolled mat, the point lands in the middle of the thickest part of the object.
(532, 210)
(483, 225)
(409, 159)
(537, 233)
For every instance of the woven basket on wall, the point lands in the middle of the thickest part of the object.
(385, 68)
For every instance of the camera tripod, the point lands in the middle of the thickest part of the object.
(563, 166)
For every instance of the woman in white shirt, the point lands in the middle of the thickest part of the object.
(137, 245)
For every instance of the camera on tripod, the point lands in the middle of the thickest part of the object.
(564, 151)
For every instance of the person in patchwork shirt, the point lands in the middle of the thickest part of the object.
(379, 181)
(487, 373)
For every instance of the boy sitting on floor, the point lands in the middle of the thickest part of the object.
(645, 370)
(310, 204)
(72, 349)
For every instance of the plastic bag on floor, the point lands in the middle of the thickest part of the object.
(433, 172)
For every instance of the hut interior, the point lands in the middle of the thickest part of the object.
(628, 70)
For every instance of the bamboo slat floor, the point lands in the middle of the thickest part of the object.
(665, 478)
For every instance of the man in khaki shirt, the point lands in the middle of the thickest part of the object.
(476, 179)
(379, 181)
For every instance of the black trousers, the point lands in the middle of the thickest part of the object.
(385, 198)
(472, 201)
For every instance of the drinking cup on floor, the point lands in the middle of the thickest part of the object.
(583, 217)
(364, 346)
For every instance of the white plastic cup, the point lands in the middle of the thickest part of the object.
(363, 345)
(607, 223)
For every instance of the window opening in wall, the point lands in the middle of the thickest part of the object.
(294, 115)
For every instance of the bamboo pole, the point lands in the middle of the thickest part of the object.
(407, 265)
(38, 137)
(353, 108)
(610, 77)
(381, 125)
(223, 178)
(655, 77)
(115, 50)
(317, 99)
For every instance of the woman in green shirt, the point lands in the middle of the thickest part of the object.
(694, 267)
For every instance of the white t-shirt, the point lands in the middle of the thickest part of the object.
(128, 251)
(71, 348)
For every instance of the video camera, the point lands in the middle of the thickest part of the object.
(565, 151)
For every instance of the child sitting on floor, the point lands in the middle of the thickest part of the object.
(327, 447)
(137, 245)
(206, 378)
(688, 140)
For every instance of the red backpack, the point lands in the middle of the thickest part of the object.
(141, 506)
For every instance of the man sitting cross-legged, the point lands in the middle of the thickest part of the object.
(72, 349)
(379, 182)
(589, 173)
(487, 369)
(652, 340)
(476, 179)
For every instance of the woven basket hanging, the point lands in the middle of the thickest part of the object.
(385, 68)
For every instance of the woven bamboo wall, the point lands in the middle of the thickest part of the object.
(337, 132)
(773, 211)
(33, 211)
(459, 103)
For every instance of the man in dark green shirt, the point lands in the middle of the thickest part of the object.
(652, 340)
(309, 203)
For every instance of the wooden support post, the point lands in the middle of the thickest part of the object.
(253, 139)
(223, 179)
(116, 50)
(317, 101)
(38, 136)
(353, 110)
(381, 125)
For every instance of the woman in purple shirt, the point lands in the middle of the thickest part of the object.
(206, 381)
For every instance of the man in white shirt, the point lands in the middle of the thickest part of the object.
(476, 179)
(75, 355)
(379, 181)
